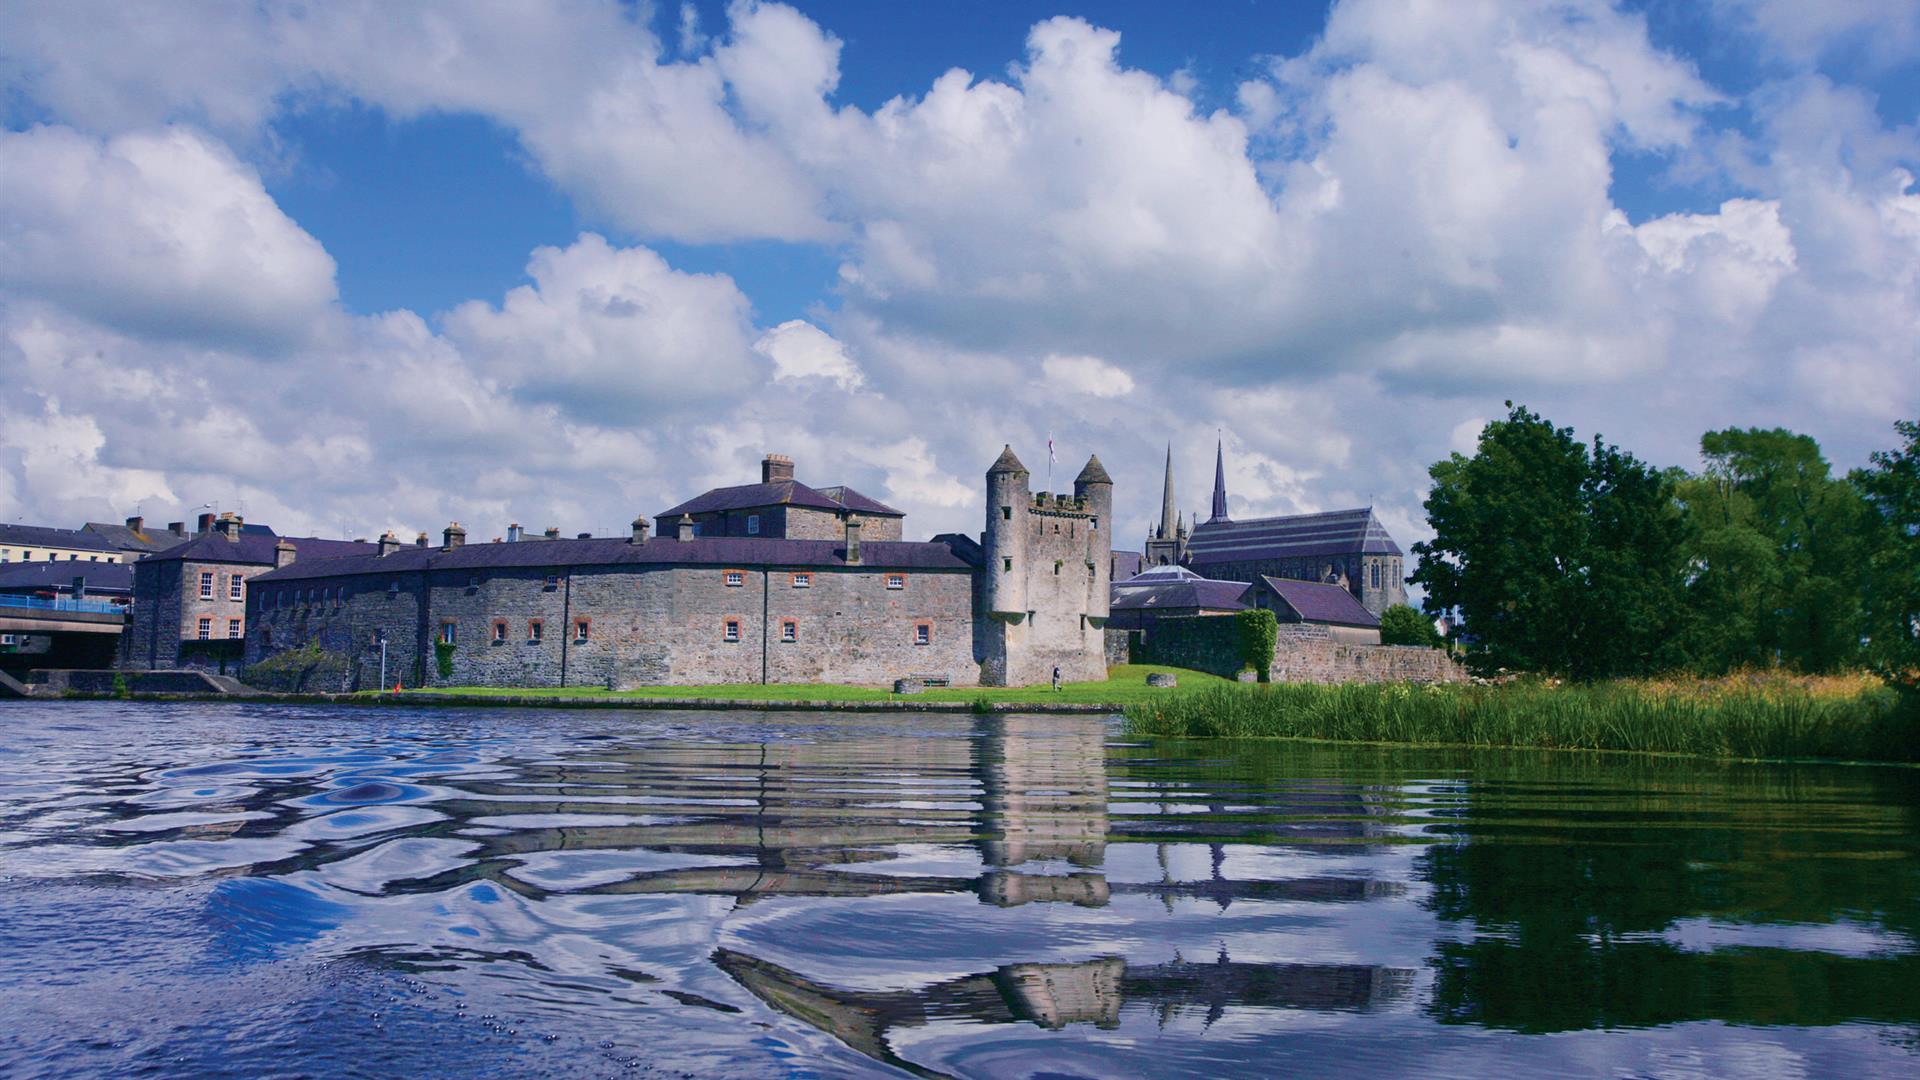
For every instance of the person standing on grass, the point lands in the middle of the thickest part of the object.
(1056, 678)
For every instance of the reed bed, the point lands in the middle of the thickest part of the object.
(1741, 716)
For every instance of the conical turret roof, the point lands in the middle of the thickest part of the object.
(1006, 463)
(1094, 473)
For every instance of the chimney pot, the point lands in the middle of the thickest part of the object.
(389, 543)
(639, 531)
(420, 541)
(229, 526)
(177, 528)
(552, 533)
(775, 468)
(135, 523)
(513, 533)
(283, 553)
(204, 525)
(683, 530)
(453, 536)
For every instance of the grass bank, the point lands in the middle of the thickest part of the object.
(1125, 685)
(1742, 716)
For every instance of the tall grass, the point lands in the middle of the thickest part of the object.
(1739, 717)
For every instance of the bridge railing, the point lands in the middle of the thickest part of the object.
(60, 603)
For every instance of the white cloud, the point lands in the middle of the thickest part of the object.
(801, 350)
(1087, 375)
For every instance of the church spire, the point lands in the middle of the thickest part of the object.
(1168, 524)
(1219, 482)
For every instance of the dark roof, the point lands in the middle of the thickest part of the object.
(1006, 463)
(966, 547)
(780, 493)
(1094, 473)
(33, 536)
(1339, 532)
(37, 576)
(1126, 564)
(1182, 592)
(1319, 602)
(701, 551)
(122, 538)
(257, 549)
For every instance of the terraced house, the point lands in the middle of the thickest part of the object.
(774, 582)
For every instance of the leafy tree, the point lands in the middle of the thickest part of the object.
(1403, 624)
(1559, 559)
(1892, 595)
(1259, 630)
(1778, 553)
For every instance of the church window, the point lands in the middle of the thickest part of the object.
(803, 581)
(1376, 575)
(789, 631)
(753, 524)
(499, 631)
(923, 633)
(736, 578)
(896, 581)
(535, 629)
(731, 631)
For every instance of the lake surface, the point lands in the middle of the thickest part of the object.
(242, 890)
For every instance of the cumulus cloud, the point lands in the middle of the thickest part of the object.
(801, 350)
(1087, 375)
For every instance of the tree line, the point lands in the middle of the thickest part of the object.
(1579, 559)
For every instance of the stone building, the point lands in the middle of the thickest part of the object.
(197, 590)
(1349, 548)
(725, 606)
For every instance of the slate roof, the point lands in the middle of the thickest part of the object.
(780, 493)
(1339, 532)
(257, 549)
(1319, 602)
(1126, 564)
(741, 551)
(43, 576)
(1177, 588)
(122, 538)
(35, 536)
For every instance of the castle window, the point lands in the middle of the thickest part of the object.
(789, 631)
(206, 586)
(499, 631)
(753, 524)
(236, 587)
(1007, 565)
(896, 581)
(803, 581)
(233, 629)
(731, 632)
(923, 633)
(1006, 513)
(1056, 567)
(736, 578)
(449, 633)
(535, 628)
(206, 629)
(580, 629)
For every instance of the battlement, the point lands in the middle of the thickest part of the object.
(1060, 503)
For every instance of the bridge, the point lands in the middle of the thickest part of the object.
(60, 615)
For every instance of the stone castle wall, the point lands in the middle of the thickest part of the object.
(1302, 652)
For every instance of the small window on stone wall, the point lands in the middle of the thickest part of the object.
(535, 628)
(753, 524)
(896, 581)
(580, 629)
(1006, 513)
(736, 578)
(499, 631)
(789, 631)
(1007, 565)
(206, 629)
(731, 632)
(233, 629)
(923, 633)
(803, 581)
(553, 582)
(449, 632)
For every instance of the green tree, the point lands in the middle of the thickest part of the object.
(1259, 630)
(1403, 624)
(1892, 595)
(1558, 559)
(1778, 552)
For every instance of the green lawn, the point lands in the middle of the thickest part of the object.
(1126, 684)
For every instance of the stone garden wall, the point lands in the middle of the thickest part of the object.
(1302, 653)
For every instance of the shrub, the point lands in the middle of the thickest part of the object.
(1259, 630)
(1402, 624)
(443, 658)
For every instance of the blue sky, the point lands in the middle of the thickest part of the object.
(375, 266)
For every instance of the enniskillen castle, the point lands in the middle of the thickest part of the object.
(774, 582)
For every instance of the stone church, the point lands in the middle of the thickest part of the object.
(1349, 548)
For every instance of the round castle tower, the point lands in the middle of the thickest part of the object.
(1008, 497)
(1094, 489)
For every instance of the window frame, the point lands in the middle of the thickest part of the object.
(922, 633)
(895, 582)
(753, 524)
(802, 579)
(233, 630)
(789, 631)
(500, 631)
(734, 579)
(730, 631)
(236, 587)
(449, 632)
(203, 630)
(536, 631)
(206, 584)
(582, 631)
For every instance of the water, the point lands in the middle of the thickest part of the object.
(210, 890)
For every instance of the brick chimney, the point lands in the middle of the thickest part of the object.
(135, 524)
(639, 531)
(204, 525)
(853, 539)
(389, 543)
(775, 468)
(552, 533)
(683, 529)
(513, 533)
(228, 525)
(452, 536)
(177, 528)
(420, 541)
(283, 553)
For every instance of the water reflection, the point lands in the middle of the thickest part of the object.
(747, 894)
